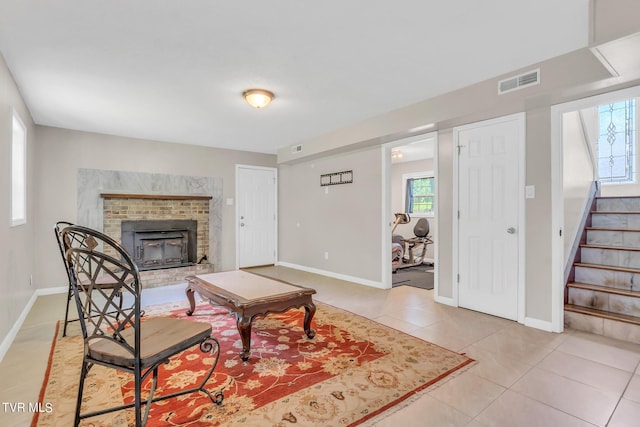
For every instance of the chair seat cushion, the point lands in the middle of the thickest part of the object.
(160, 338)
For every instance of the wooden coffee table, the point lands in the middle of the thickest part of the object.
(248, 296)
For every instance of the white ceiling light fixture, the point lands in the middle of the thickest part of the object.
(258, 98)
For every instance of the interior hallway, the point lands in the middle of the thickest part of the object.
(523, 376)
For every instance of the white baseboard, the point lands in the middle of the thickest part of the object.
(539, 324)
(353, 279)
(8, 340)
(52, 291)
(151, 296)
(444, 300)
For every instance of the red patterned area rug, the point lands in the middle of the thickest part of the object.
(354, 369)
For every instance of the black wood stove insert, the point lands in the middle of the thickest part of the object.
(156, 244)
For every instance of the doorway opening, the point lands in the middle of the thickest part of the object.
(594, 141)
(410, 201)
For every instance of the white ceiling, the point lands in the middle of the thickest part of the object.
(418, 149)
(174, 71)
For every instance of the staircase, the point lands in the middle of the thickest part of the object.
(603, 292)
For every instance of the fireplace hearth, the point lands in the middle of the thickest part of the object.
(160, 244)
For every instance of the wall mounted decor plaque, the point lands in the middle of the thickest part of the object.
(344, 177)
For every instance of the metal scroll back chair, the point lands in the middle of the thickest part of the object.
(116, 337)
(80, 241)
(57, 229)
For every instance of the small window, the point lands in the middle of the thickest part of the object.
(18, 171)
(419, 194)
(617, 142)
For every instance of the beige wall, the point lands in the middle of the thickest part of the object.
(613, 18)
(345, 221)
(444, 232)
(60, 152)
(17, 260)
(578, 178)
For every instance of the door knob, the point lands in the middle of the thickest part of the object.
(511, 230)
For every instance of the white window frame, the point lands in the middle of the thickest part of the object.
(18, 170)
(636, 147)
(418, 175)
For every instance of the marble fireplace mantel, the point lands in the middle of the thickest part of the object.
(94, 184)
(153, 196)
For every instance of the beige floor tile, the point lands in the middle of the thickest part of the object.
(468, 393)
(627, 414)
(443, 337)
(603, 350)
(424, 412)
(516, 347)
(496, 366)
(515, 410)
(417, 316)
(538, 337)
(48, 308)
(398, 324)
(585, 371)
(580, 400)
(475, 423)
(633, 389)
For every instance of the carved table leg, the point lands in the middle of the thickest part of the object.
(192, 301)
(309, 311)
(244, 328)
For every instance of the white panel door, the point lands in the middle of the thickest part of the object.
(256, 216)
(488, 229)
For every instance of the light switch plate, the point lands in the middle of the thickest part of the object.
(530, 191)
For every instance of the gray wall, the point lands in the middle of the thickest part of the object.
(344, 221)
(60, 152)
(578, 177)
(16, 251)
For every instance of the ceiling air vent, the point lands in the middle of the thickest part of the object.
(519, 82)
(296, 148)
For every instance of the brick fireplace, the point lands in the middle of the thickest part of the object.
(154, 196)
(153, 211)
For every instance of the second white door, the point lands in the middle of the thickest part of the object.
(489, 193)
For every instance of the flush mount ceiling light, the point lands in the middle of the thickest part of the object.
(258, 98)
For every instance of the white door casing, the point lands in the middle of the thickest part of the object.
(256, 216)
(490, 225)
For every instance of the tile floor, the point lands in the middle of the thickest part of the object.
(523, 377)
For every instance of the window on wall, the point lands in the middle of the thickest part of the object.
(617, 142)
(18, 171)
(419, 197)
